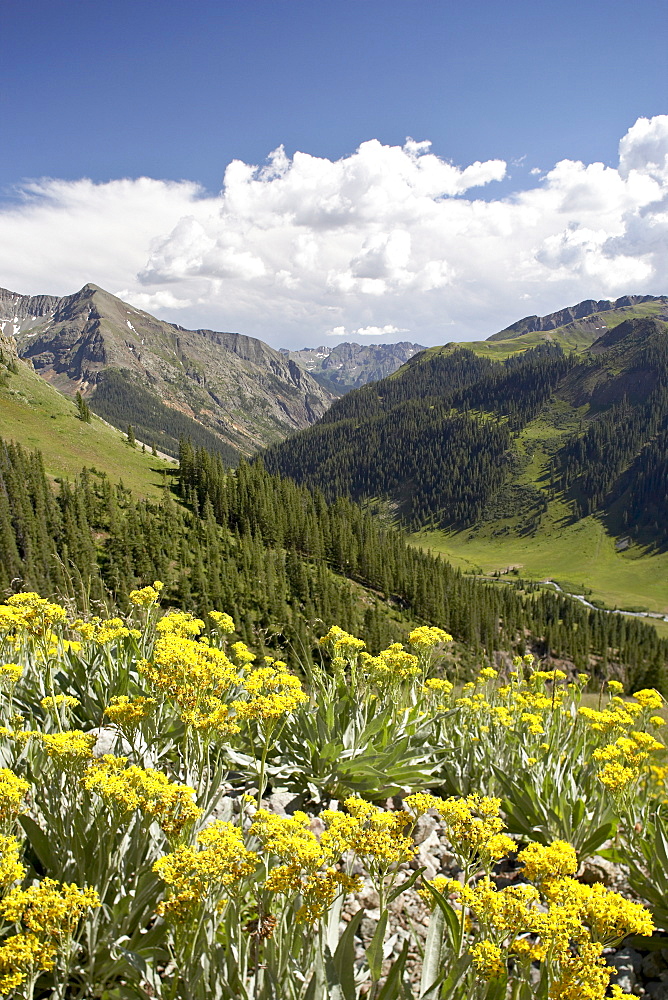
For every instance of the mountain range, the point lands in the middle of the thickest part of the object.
(225, 391)
(348, 366)
(495, 436)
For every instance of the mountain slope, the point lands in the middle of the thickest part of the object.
(349, 366)
(225, 391)
(35, 415)
(484, 449)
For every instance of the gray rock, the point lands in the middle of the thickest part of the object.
(657, 991)
(110, 741)
(627, 958)
(598, 869)
(628, 963)
(424, 828)
(284, 803)
(653, 964)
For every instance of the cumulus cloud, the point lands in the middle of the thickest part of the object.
(386, 241)
(365, 331)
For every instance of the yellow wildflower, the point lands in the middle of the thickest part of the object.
(12, 791)
(649, 698)
(488, 960)
(128, 712)
(11, 869)
(10, 673)
(426, 637)
(554, 861)
(195, 875)
(51, 907)
(21, 957)
(271, 693)
(70, 749)
(147, 596)
(130, 788)
(342, 644)
(52, 704)
(222, 621)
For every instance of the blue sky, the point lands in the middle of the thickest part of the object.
(176, 91)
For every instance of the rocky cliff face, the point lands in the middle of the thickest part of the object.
(238, 387)
(589, 307)
(349, 366)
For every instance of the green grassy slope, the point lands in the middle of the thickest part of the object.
(581, 556)
(36, 415)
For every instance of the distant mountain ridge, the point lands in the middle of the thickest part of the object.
(583, 310)
(226, 391)
(348, 366)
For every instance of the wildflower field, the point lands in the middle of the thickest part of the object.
(140, 856)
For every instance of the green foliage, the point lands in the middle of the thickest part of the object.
(119, 399)
(279, 557)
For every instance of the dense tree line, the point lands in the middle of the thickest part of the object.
(436, 439)
(591, 463)
(280, 559)
(120, 400)
(643, 492)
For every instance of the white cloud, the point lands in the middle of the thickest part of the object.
(386, 241)
(366, 331)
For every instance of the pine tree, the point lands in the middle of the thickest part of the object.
(83, 408)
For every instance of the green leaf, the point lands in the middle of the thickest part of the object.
(344, 957)
(452, 920)
(393, 984)
(398, 889)
(433, 947)
(457, 973)
(40, 843)
(374, 953)
(598, 837)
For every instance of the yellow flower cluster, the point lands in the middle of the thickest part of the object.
(222, 622)
(488, 960)
(127, 712)
(426, 637)
(562, 921)
(31, 614)
(618, 715)
(12, 792)
(307, 865)
(53, 703)
(271, 692)
(69, 750)
(105, 631)
(179, 623)
(378, 837)
(11, 869)
(147, 596)
(625, 760)
(10, 673)
(547, 862)
(48, 912)
(21, 957)
(195, 875)
(49, 907)
(192, 674)
(130, 788)
(342, 644)
(649, 698)
(393, 664)
(242, 654)
(473, 826)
